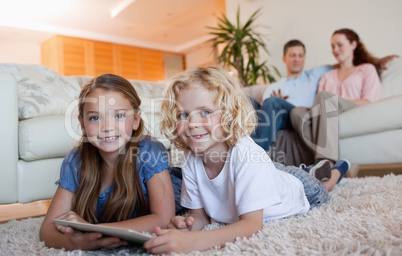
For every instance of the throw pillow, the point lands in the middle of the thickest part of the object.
(41, 91)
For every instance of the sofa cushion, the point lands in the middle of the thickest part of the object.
(379, 116)
(256, 91)
(151, 95)
(36, 179)
(47, 137)
(391, 78)
(151, 114)
(81, 80)
(377, 148)
(41, 91)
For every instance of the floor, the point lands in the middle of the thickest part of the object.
(21, 211)
(39, 208)
(379, 170)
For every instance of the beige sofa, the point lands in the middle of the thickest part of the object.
(40, 126)
(370, 134)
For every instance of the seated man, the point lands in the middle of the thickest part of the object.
(297, 89)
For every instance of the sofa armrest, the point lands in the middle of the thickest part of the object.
(9, 142)
(256, 92)
(379, 116)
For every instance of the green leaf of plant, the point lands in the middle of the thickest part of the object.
(241, 46)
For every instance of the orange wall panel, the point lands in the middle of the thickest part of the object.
(129, 62)
(77, 56)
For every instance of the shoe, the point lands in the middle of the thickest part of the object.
(343, 167)
(321, 171)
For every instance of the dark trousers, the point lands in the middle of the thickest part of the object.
(273, 115)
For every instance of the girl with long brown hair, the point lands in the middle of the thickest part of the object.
(117, 176)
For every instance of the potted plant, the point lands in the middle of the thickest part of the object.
(241, 49)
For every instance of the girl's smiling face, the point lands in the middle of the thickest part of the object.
(199, 120)
(108, 120)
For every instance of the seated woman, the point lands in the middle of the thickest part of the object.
(355, 81)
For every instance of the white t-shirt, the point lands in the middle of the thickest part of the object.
(248, 182)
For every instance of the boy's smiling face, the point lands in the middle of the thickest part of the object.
(199, 120)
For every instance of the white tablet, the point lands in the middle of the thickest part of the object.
(123, 233)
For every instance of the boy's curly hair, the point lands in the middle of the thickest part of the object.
(238, 115)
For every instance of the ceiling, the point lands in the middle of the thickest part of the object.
(170, 25)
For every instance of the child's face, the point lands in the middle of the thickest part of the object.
(108, 120)
(199, 120)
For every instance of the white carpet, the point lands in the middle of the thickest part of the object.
(363, 217)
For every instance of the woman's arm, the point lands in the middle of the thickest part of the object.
(181, 241)
(161, 203)
(371, 87)
(360, 102)
(382, 62)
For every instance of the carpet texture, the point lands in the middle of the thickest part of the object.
(363, 217)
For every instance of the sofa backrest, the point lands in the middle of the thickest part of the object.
(391, 78)
(41, 91)
(47, 105)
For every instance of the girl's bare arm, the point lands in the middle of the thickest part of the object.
(161, 202)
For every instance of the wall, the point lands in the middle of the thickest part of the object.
(19, 51)
(312, 21)
(377, 22)
(199, 56)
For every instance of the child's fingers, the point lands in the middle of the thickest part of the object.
(189, 221)
(177, 222)
(66, 216)
(171, 241)
(111, 242)
(65, 230)
(93, 240)
(93, 236)
(116, 245)
(159, 244)
(159, 231)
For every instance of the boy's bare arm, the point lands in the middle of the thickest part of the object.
(169, 241)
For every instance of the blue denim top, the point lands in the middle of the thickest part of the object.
(151, 158)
